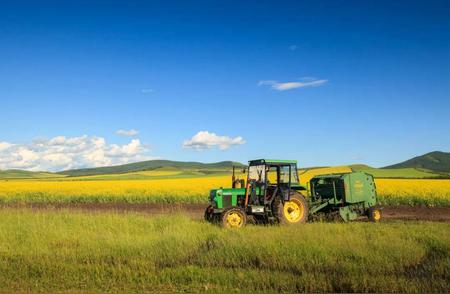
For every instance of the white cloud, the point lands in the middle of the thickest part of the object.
(127, 133)
(283, 86)
(293, 47)
(4, 145)
(357, 157)
(207, 140)
(147, 91)
(61, 153)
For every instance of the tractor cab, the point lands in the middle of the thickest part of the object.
(269, 178)
(269, 186)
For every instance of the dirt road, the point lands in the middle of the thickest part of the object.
(195, 211)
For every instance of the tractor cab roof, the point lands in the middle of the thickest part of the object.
(271, 162)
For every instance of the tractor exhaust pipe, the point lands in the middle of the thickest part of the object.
(233, 179)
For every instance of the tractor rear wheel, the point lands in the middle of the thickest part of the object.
(294, 211)
(234, 218)
(374, 214)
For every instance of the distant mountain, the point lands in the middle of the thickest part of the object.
(436, 161)
(430, 165)
(360, 166)
(151, 165)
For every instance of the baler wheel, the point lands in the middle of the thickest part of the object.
(374, 214)
(234, 218)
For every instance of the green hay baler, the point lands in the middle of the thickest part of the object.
(346, 195)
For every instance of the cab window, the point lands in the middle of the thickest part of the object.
(272, 175)
(284, 174)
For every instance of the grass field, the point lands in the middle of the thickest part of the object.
(22, 174)
(58, 251)
(396, 173)
(399, 173)
(166, 187)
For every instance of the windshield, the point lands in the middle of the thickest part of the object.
(257, 173)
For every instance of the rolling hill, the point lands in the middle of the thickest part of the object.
(307, 173)
(431, 165)
(23, 174)
(436, 161)
(408, 172)
(151, 165)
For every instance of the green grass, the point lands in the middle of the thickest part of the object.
(54, 251)
(130, 197)
(169, 199)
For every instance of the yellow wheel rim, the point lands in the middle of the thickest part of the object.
(376, 215)
(234, 220)
(293, 210)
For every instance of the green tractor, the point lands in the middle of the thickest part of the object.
(273, 194)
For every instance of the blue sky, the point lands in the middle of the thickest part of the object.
(323, 82)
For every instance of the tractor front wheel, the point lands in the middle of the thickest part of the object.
(234, 218)
(374, 214)
(294, 211)
(209, 214)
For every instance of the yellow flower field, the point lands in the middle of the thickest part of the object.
(185, 190)
(413, 191)
(191, 190)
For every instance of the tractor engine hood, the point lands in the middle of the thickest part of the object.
(218, 196)
(225, 192)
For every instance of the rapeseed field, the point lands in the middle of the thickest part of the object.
(431, 192)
